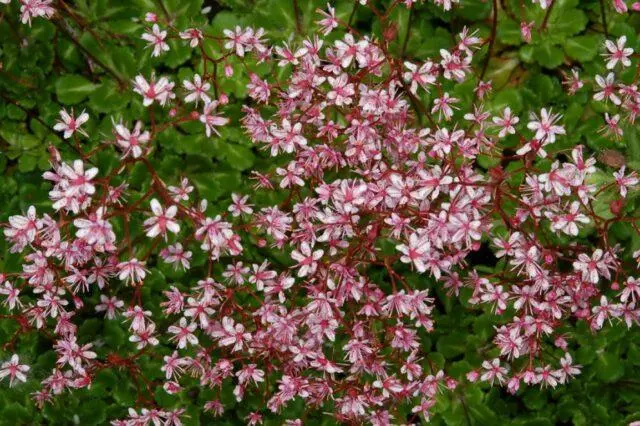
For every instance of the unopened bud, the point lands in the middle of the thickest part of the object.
(616, 206)
(390, 32)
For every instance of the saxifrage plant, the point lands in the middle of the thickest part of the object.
(391, 185)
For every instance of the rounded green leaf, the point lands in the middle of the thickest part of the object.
(73, 89)
(583, 48)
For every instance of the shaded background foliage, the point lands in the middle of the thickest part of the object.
(87, 58)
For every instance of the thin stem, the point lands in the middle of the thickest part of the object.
(604, 18)
(545, 21)
(492, 39)
(296, 10)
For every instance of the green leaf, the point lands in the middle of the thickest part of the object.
(27, 163)
(507, 98)
(583, 48)
(15, 414)
(609, 367)
(566, 22)
(114, 335)
(237, 156)
(474, 9)
(212, 186)
(107, 98)
(548, 55)
(93, 412)
(451, 345)
(73, 89)
(508, 32)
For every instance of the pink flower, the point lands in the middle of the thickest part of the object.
(11, 294)
(14, 370)
(493, 371)
(34, 9)
(162, 220)
(624, 182)
(197, 90)
(109, 305)
(210, 119)
(159, 91)
(69, 125)
(131, 142)
(506, 123)
(156, 39)
(144, 336)
(181, 193)
(237, 40)
(232, 334)
(592, 267)
(193, 35)
(177, 255)
(608, 92)
(618, 53)
(307, 259)
(545, 127)
(329, 22)
(423, 76)
(525, 30)
(239, 205)
(22, 230)
(443, 105)
(341, 90)
(184, 333)
(132, 271)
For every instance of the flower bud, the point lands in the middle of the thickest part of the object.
(561, 343)
(390, 33)
(616, 206)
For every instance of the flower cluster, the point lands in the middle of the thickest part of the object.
(377, 167)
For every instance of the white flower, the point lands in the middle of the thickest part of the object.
(194, 36)
(210, 119)
(546, 128)
(197, 90)
(608, 91)
(618, 53)
(307, 260)
(156, 39)
(131, 142)
(162, 220)
(506, 123)
(132, 270)
(69, 125)
(14, 370)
